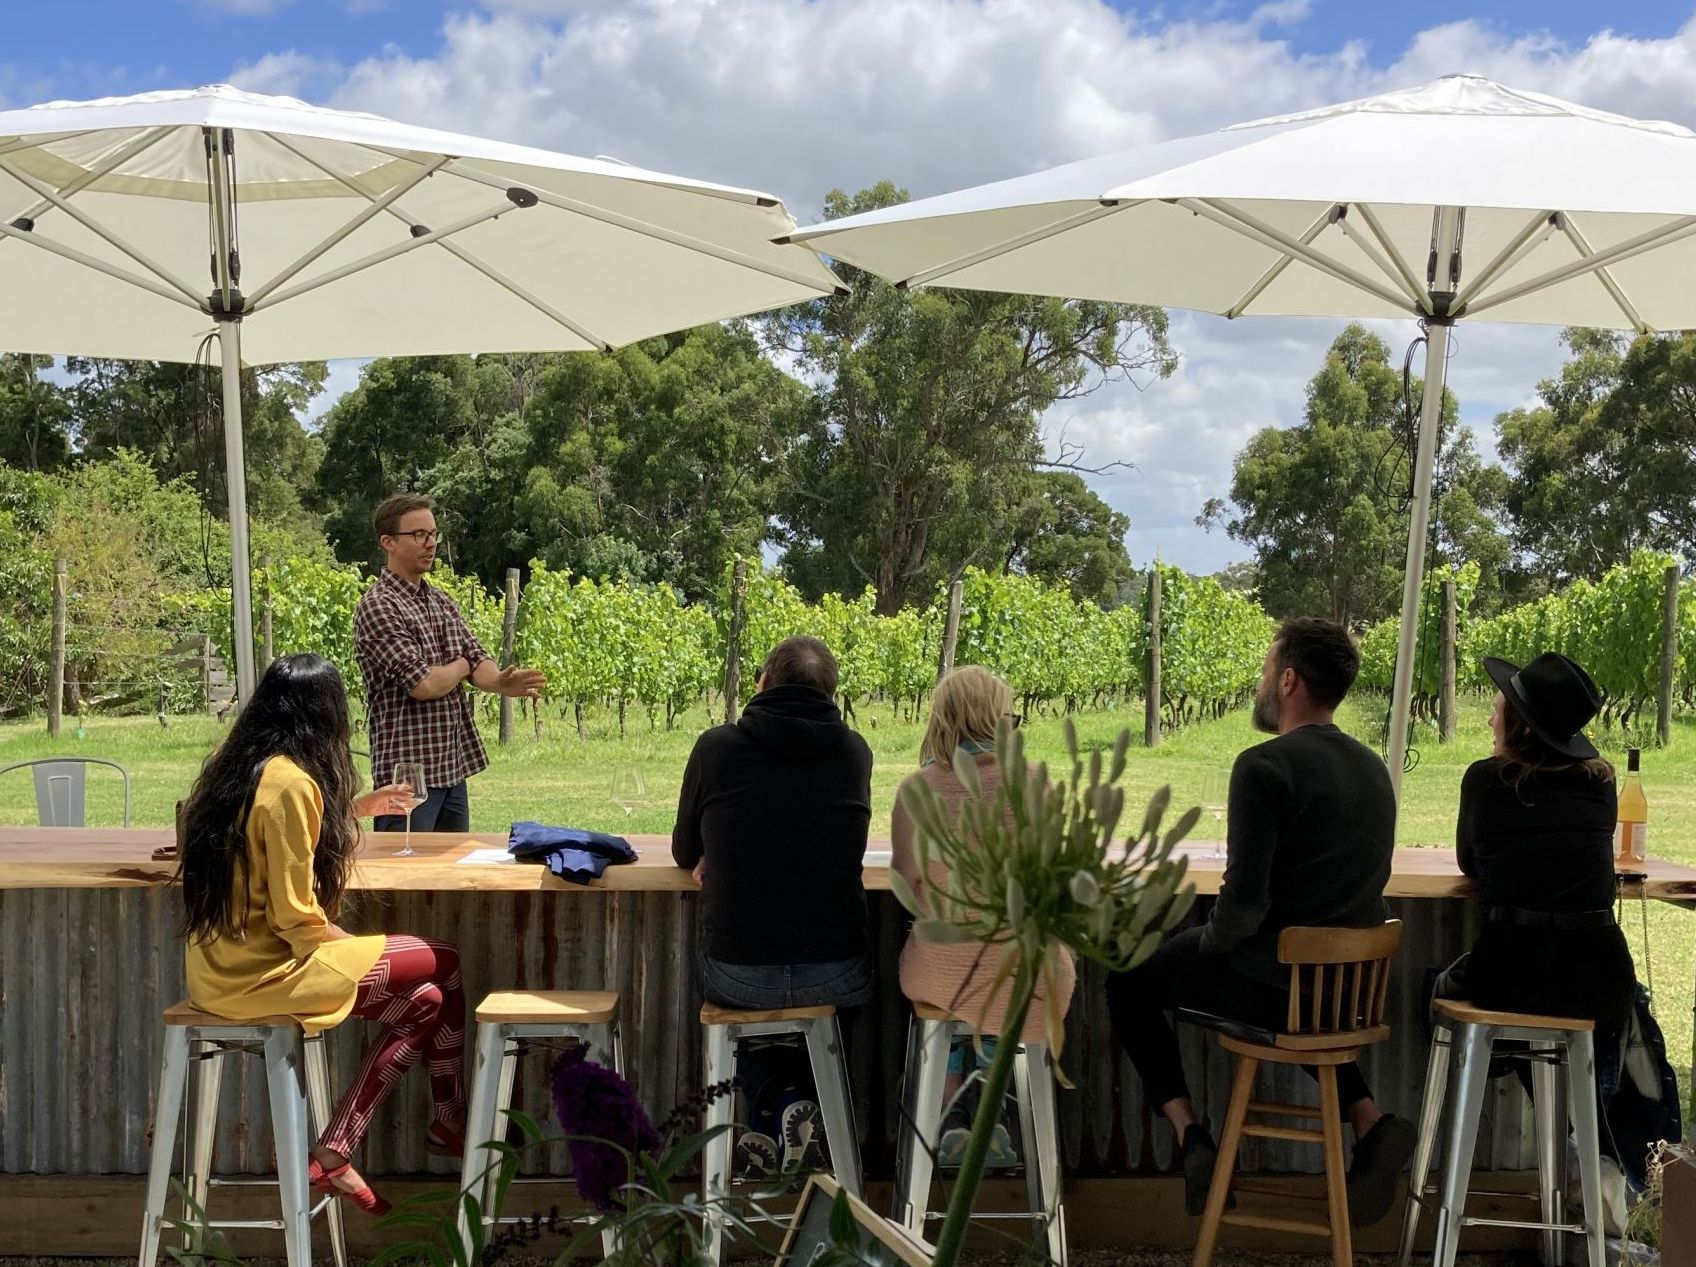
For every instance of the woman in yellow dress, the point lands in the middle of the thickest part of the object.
(269, 841)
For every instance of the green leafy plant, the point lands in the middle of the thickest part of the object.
(1034, 867)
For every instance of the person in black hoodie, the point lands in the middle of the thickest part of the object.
(773, 819)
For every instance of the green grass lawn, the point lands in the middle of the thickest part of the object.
(560, 779)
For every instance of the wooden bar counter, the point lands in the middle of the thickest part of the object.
(90, 952)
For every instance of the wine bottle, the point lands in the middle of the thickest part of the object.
(1632, 831)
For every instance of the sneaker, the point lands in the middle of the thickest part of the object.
(1199, 1155)
(952, 1150)
(1002, 1155)
(803, 1137)
(757, 1157)
(1380, 1156)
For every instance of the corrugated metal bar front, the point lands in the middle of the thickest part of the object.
(84, 974)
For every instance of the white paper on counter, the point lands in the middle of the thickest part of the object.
(487, 857)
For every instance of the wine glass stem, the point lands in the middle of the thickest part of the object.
(407, 847)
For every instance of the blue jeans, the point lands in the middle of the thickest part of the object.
(445, 809)
(846, 983)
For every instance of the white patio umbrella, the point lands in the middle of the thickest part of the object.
(1459, 199)
(129, 225)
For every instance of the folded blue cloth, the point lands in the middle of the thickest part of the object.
(571, 853)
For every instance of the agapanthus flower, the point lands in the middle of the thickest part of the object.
(605, 1124)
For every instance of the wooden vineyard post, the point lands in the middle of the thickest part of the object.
(205, 674)
(509, 635)
(1151, 700)
(56, 675)
(267, 647)
(1669, 658)
(1446, 686)
(950, 631)
(733, 640)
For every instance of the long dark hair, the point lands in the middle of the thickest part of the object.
(299, 711)
(1525, 753)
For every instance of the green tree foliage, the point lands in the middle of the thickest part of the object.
(925, 419)
(34, 415)
(1604, 465)
(172, 415)
(1066, 535)
(1324, 503)
(1378, 645)
(651, 463)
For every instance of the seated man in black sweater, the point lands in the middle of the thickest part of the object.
(773, 819)
(1311, 828)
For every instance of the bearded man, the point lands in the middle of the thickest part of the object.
(1310, 831)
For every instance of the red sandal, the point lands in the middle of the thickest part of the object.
(365, 1198)
(444, 1141)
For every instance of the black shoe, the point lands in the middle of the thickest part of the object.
(1199, 1155)
(1380, 1156)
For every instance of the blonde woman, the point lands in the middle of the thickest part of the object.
(964, 711)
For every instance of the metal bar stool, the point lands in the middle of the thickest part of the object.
(1555, 1043)
(930, 1035)
(1339, 985)
(511, 1023)
(298, 1081)
(725, 1028)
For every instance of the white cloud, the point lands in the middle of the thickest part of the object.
(934, 94)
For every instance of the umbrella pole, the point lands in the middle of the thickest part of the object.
(1425, 462)
(235, 480)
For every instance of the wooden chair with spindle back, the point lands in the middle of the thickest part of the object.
(1339, 987)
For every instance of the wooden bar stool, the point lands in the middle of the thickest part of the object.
(930, 1035)
(725, 1027)
(1555, 1043)
(298, 1081)
(509, 1024)
(1339, 983)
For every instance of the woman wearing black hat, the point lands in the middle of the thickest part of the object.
(1536, 832)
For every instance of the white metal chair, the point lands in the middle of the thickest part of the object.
(929, 1038)
(298, 1082)
(61, 788)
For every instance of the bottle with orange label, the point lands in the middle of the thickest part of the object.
(1632, 830)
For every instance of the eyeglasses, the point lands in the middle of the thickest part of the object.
(1014, 718)
(423, 536)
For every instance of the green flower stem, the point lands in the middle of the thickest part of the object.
(953, 1235)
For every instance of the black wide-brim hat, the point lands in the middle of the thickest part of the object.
(1556, 697)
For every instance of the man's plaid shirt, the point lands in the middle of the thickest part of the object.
(399, 634)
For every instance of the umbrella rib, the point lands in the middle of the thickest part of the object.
(1582, 245)
(1414, 289)
(535, 301)
(1421, 301)
(55, 198)
(1239, 221)
(617, 220)
(1279, 265)
(1667, 234)
(1517, 248)
(1030, 237)
(98, 265)
(389, 253)
(376, 207)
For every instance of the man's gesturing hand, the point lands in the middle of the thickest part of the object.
(516, 682)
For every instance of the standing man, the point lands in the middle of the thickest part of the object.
(414, 650)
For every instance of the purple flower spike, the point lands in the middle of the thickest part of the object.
(601, 1116)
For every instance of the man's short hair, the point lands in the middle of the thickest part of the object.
(391, 510)
(802, 661)
(1322, 655)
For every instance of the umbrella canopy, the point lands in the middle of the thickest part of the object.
(132, 227)
(1459, 199)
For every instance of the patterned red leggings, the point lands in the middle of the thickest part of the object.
(414, 991)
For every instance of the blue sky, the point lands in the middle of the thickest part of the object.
(799, 96)
(94, 47)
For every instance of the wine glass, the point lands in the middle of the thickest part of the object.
(1215, 795)
(629, 788)
(410, 773)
